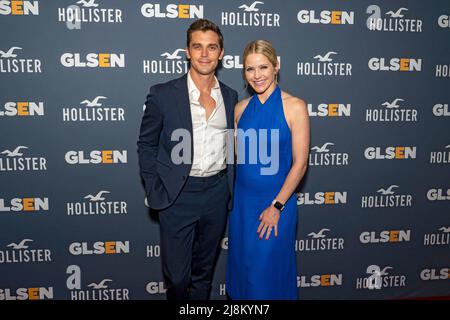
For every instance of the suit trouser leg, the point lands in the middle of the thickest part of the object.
(191, 230)
(209, 232)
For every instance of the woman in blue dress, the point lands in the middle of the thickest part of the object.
(272, 146)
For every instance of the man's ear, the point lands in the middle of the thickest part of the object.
(221, 54)
(187, 53)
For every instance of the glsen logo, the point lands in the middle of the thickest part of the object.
(395, 64)
(23, 109)
(394, 22)
(19, 8)
(14, 161)
(441, 238)
(441, 110)
(250, 16)
(173, 63)
(319, 242)
(444, 21)
(442, 71)
(438, 194)
(386, 199)
(8, 63)
(99, 247)
(324, 280)
(322, 198)
(435, 274)
(34, 293)
(96, 205)
(387, 236)
(96, 290)
(380, 278)
(24, 205)
(234, 62)
(20, 253)
(96, 157)
(437, 157)
(93, 111)
(326, 17)
(155, 287)
(93, 60)
(329, 110)
(153, 251)
(389, 153)
(391, 112)
(321, 156)
(174, 11)
(89, 12)
(324, 66)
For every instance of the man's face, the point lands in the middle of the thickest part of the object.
(204, 52)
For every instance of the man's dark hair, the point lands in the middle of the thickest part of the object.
(204, 25)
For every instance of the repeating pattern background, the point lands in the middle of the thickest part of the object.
(375, 199)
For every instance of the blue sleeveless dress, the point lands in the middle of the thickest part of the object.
(262, 269)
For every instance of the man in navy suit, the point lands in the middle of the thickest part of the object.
(186, 162)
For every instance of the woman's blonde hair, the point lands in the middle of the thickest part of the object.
(263, 47)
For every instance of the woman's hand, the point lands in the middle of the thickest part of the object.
(269, 220)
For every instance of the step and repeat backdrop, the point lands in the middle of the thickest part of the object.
(374, 206)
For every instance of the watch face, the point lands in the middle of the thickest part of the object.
(278, 205)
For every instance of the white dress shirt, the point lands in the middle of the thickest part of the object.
(209, 134)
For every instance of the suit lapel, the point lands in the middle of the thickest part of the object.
(183, 104)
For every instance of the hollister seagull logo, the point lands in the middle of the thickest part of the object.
(250, 16)
(252, 7)
(394, 21)
(174, 55)
(396, 14)
(93, 103)
(20, 245)
(172, 64)
(391, 112)
(392, 104)
(97, 205)
(324, 66)
(325, 58)
(440, 157)
(88, 4)
(95, 291)
(100, 285)
(10, 53)
(92, 111)
(20, 253)
(323, 157)
(319, 234)
(323, 148)
(89, 12)
(97, 197)
(14, 161)
(319, 241)
(388, 190)
(15, 152)
(437, 239)
(8, 63)
(380, 278)
(386, 199)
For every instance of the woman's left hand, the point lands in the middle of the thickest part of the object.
(269, 220)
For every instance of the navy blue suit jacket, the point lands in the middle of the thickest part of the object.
(168, 109)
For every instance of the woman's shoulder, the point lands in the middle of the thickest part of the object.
(293, 102)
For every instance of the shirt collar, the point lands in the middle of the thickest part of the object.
(192, 88)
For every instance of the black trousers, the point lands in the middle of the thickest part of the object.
(191, 231)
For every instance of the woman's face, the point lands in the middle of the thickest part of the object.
(259, 72)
